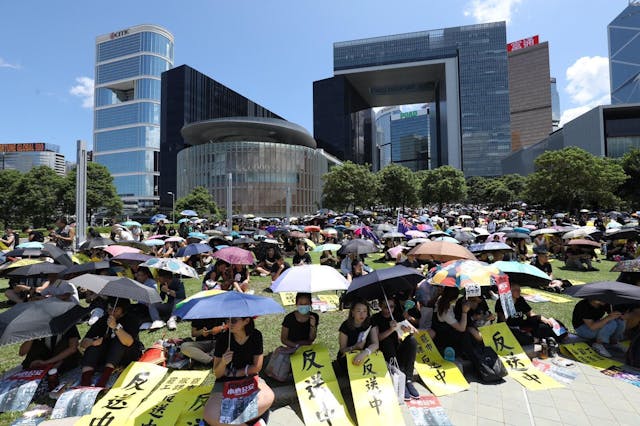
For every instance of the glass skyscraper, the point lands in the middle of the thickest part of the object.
(410, 139)
(556, 114)
(624, 55)
(126, 136)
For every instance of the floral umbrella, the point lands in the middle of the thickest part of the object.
(172, 265)
(627, 266)
(460, 273)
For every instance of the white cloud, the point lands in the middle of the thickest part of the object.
(83, 90)
(587, 86)
(5, 64)
(491, 10)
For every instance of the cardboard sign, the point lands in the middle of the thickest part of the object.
(504, 293)
(624, 375)
(374, 398)
(189, 403)
(288, 298)
(318, 391)
(239, 401)
(75, 402)
(17, 390)
(583, 353)
(442, 377)
(548, 296)
(499, 337)
(427, 411)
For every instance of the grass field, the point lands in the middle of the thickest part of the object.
(329, 321)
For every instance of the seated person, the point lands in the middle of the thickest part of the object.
(59, 351)
(426, 296)
(579, 259)
(357, 270)
(171, 290)
(301, 257)
(143, 275)
(526, 325)
(265, 264)
(278, 268)
(451, 332)
(111, 342)
(357, 333)
(328, 259)
(393, 346)
(214, 275)
(478, 315)
(541, 261)
(411, 261)
(239, 359)
(595, 320)
(22, 289)
(241, 277)
(345, 263)
(205, 332)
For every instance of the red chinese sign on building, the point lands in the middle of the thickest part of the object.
(523, 44)
(22, 147)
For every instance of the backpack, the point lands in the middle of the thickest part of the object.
(632, 357)
(488, 364)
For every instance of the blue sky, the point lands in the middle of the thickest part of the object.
(270, 51)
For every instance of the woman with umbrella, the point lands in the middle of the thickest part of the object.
(452, 332)
(357, 333)
(357, 270)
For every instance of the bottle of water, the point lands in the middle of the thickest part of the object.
(449, 354)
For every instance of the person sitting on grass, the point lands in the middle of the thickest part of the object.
(266, 262)
(278, 268)
(301, 257)
(595, 320)
(357, 333)
(205, 332)
(171, 290)
(59, 351)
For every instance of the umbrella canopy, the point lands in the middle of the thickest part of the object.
(134, 258)
(31, 245)
(131, 223)
(491, 246)
(297, 234)
(523, 273)
(627, 266)
(394, 251)
(543, 231)
(193, 249)
(183, 220)
(622, 234)
(522, 230)
(157, 237)
(583, 242)
(416, 234)
(121, 287)
(19, 263)
(235, 256)
(358, 246)
(97, 242)
(199, 295)
(464, 236)
(190, 213)
(415, 241)
(117, 250)
(392, 234)
(154, 243)
(442, 251)
(517, 235)
(327, 247)
(57, 254)
(36, 269)
(384, 282)
(613, 292)
(41, 318)
(85, 268)
(580, 232)
(330, 231)
(172, 265)
(310, 279)
(435, 234)
(23, 252)
(450, 240)
(228, 304)
(460, 273)
(198, 235)
(312, 228)
(156, 218)
(174, 239)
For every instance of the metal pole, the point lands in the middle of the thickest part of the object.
(229, 201)
(81, 192)
(288, 207)
(173, 206)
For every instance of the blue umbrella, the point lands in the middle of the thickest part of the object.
(189, 213)
(491, 246)
(183, 220)
(523, 273)
(193, 249)
(199, 235)
(129, 223)
(522, 230)
(157, 217)
(154, 242)
(228, 304)
(31, 245)
(447, 239)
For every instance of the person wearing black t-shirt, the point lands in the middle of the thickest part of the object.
(278, 268)
(112, 341)
(301, 257)
(478, 315)
(205, 332)
(357, 333)
(238, 355)
(59, 351)
(594, 320)
(525, 324)
(392, 346)
(171, 290)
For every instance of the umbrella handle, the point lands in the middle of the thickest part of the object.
(387, 302)
(112, 311)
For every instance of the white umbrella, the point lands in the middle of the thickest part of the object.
(580, 232)
(309, 279)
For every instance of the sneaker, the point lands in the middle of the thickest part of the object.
(413, 392)
(407, 395)
(157, 324)
(171, 324)
(601, 350)
(145, 326)
(618, 347)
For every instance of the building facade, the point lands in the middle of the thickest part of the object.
(530, 99)
(463, 71)
(624, 55)
(266, 157)
(410, 139)
(189, 96)
(25, 156)
(126, 137)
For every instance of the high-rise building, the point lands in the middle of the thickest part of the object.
(461, 71)
(382, 155)
(624, 55)
(556, 113)
(410, 139)
(530, 100)
(126, 136)
(25, 156)
(189, 96)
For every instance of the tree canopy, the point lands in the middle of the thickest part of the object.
(397, 186)
(348, 186)
(630, 189)
(101, 192)
(445, 184)
(200, 200)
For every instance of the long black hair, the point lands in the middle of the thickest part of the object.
(449, 294)
(367, 322)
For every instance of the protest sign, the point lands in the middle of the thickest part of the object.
(189, 404)
(586, 355)
(442, 377)
(75, 402)
(17, 390)
(427, 411)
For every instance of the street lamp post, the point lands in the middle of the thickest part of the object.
(173, 206)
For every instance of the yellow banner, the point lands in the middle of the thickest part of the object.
(134, 384)
(317, 388)
(330, 298)
(583, 353)
(288, 298)
(442, 377)
(374, 399)
(190, 404)
(153, 410)
(554, 298)
(499, 338)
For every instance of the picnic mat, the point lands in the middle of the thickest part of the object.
(442, 377)
(536, 295)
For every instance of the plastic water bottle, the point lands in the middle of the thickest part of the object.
(171, 353)
(449, 354)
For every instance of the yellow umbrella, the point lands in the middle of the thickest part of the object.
(199, 295)
(310, 243)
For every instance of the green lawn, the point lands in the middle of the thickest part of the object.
(329, 322)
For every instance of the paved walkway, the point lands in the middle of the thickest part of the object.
(592, 399)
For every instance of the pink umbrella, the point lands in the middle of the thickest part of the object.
(174, 240)
(500, 236)
(235, 256)
(117, 250)
(394, 251)
(416, 234)
(424, 227)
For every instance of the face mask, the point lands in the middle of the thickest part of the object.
(304, 309)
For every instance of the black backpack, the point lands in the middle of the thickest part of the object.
(488, 364)
(633, 353)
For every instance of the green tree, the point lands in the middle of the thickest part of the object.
(38, 196)
(445, 184)
(101, 192)
(498, 194)
(630, 189)
(516, 184)
(572, 178)
(8, 182)
(200, 200)
(397, 186)
(347, 186)
(477, 189)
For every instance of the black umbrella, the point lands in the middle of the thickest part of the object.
(43, 268)
(612, 292)
(57, 254)
(623, 234)
(96, 242)
(358, 246)
(384, 282)
(121, 287)
(517, 235)
(243, 240)
(85, 268)
(41, 318)
(24, 252)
